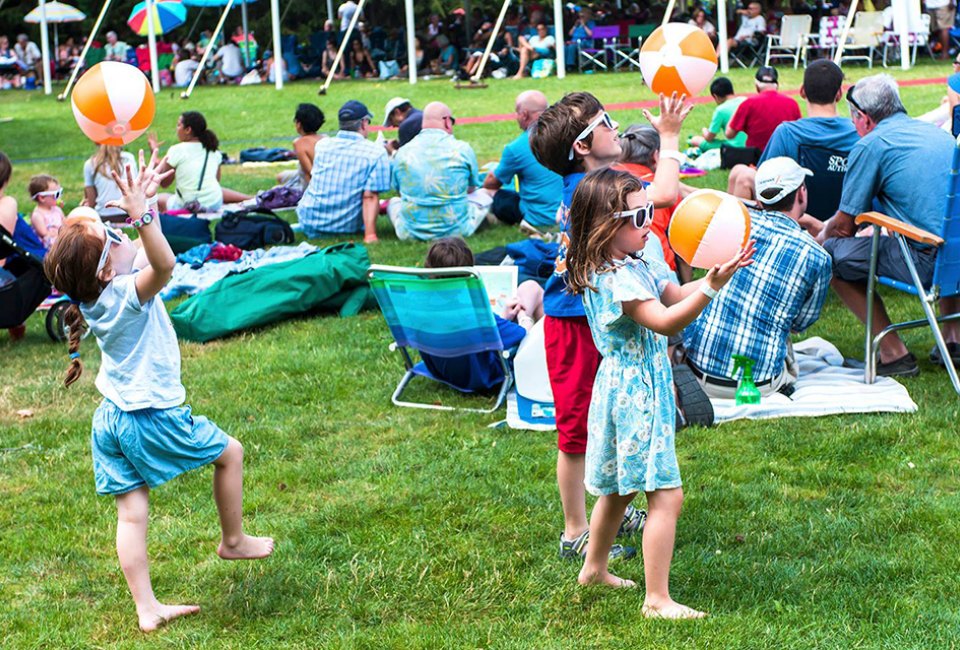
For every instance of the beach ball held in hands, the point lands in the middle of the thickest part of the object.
(113, 103)
(708, 228)
(678, 58)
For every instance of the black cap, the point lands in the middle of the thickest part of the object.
(767, 75)
(410, 127)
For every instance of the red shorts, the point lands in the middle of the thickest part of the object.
(572, 362)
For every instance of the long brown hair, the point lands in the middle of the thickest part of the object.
(70, 265)
(601, 193)
(107, 158)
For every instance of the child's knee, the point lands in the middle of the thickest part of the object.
(232, 453)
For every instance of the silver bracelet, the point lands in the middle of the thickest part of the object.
(708, 291)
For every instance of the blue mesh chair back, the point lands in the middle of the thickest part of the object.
(946, 274)
(826, 185)
(443, 312)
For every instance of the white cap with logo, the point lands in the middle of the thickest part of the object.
(777, 177)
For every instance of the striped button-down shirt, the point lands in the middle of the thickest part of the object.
(781, 292)
(343, 168)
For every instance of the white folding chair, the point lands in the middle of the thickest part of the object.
(792, 41)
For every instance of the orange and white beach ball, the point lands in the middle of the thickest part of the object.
(113, 103)
(678, 58)
(709, 227)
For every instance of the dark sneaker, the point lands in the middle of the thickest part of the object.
(692, 403)
(905, 366)
(633, 521)
(576, 549)
(952, 348)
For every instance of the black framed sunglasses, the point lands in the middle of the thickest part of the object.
(852, 101)
(641, 217)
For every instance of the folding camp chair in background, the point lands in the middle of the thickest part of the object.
(629, 54)
(791, 43)
(442, 312)
(864, 38)
(605, 40)
(826, 40)
(946, 274)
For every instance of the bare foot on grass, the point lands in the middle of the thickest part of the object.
(605, 578)
(161, 614)
(671, 610)
(247, 548)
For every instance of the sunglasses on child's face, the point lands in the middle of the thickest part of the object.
(604, 118)
(57, 193)
(111, 236)
(641, 216)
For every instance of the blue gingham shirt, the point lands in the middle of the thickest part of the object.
(343, 168)
(781, 292)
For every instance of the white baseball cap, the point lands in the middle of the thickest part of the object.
(391, 106)
(780, 174)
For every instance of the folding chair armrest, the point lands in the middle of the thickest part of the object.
(895, 225)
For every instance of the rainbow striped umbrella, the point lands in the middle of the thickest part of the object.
(167, 15)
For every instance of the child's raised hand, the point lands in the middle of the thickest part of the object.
(720, 274)
(672, 114)
(153, 177)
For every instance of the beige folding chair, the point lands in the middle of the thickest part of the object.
(864, 37)
(792, 41)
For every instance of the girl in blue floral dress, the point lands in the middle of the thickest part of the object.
(632, 308)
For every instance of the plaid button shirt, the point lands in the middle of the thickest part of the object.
(781, 292)
(343, 168)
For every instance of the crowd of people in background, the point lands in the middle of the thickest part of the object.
(445, 45)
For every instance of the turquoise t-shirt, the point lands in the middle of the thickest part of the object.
(721, 116)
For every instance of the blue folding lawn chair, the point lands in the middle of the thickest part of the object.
(441, 312)
(946, 274)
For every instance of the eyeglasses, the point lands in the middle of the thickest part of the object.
(641, 216)
(452, 119)
(852, 101)
(607, 121)
(111, 236)
(56, 194)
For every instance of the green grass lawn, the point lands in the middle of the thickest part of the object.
(409, 529)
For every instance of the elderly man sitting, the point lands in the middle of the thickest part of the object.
(348, 174)
(436, 176)
(901, 166)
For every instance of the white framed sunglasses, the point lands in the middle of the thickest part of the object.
(57, 193)
(603, 118)
(641, 217)
(111, 236)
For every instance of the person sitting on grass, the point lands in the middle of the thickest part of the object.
(143, 435)
(195, 161)
(714, 136)
(482, 372)
(308, 119)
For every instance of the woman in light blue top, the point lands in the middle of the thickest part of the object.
(631, 308)
(143, 435)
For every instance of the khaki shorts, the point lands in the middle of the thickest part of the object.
(788, 377)
(942, 18)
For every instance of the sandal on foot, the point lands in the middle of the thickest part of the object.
(576, 549)
(633, 521)
(692, 403)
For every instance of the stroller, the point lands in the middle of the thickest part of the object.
(29, 291)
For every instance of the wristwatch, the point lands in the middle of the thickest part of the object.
(142, 221)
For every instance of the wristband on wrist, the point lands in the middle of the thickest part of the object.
(145, 219)
(708, 291)
(672, 154)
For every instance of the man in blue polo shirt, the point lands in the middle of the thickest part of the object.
(540, 189)
(900, 166)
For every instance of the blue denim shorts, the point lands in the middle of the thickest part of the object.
(149, 446)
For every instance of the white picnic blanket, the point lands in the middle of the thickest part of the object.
(824, 387)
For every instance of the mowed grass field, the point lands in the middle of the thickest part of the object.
(399, 528)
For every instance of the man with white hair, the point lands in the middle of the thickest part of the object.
(901, 166)
(540, 189)
(28, 55)
(115, 49)
(436, 176)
